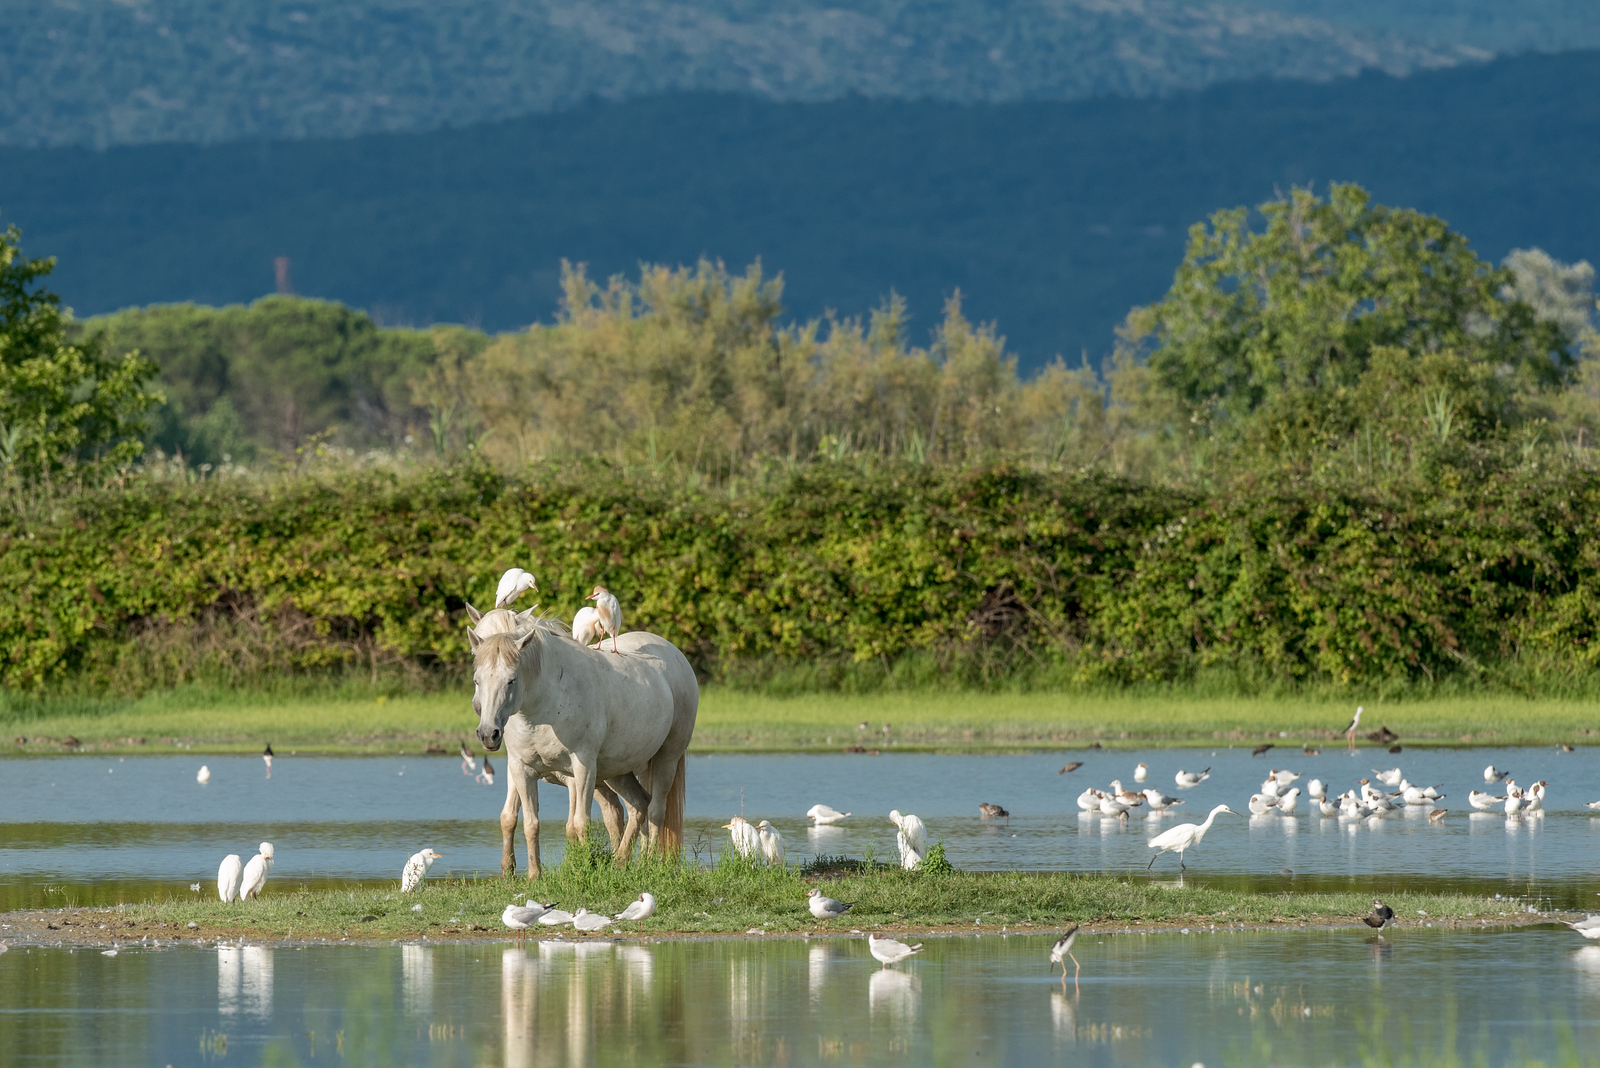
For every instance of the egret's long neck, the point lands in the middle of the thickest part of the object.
(1206, 826)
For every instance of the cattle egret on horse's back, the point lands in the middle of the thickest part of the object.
(203, 776)
(825, 908)
(517, 917)
(771, 843)
(1062, 950)
(267, 756)
(1140, 772)
(642, 908)
(229, 876)
(912, 839)
(586, 628)
(256, 872)
(513, 584)
(1186, 779)
(888, 950)
(610, 609)
(990, 811)
(1350, 731)
(1589, 926)
(746, 839)
(1184, 836)
(416, 869)
(822, 815)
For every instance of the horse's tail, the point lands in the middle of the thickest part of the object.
(672, 822)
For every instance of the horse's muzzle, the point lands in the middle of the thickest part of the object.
(490, 737)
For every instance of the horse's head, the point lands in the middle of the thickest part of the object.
(500, 668)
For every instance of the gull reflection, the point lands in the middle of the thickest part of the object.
(244, 980)
(816, 969)
(1587, 961)
(894, 994)
(1063, 1014)
(416, 977)
(518, 1003)
(640, 964)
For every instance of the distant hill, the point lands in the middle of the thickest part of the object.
(104, 72)
(1052, 218)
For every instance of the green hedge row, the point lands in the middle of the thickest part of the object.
(1094, 578)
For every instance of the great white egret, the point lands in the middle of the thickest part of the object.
(256, 872)
(823, 815)
(642, 908)
(1062, 950)
(888, 950)
(518, 917)
(1350, 731)
(1184, 836)
(229, 876)
(610, 609)
(825, 908)
(586, 626)
(746, 839)
(912, 841)
(513, 584)
(416, 869)
(771, 843)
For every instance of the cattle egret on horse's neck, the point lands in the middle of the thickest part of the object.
(1062, 950)
(256, 872)
(746, 839)
(203, 776)
(1589, 926)
(1140, 773)
(416, 869)
(513, 584)
(822, 815)
(229, 876)
(586, 628)
(642, 908)
(267, 756)
(1186, 779)
(771, 843)
(825, 908)
(1350, 731)
(610, 609)
(890, 951)
(517, 917)
(912, 841)
(1184, 836)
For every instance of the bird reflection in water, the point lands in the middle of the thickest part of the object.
(816, 970)
(416, 978)
(1064, 1013)
(1587, 962)
(894, 994)
(519, 1002)
(244, 980)
(1380, 948)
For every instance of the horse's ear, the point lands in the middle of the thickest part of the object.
(523, 640)
(473, 640)
(473, 614)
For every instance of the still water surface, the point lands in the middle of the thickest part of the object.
(1285, 998)
(106, 829)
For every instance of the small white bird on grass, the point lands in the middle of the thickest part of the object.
(746, 839)
(416, 869)
(203, 776)
(513, 584)
(1184, 836)
(1062, 950)
(1186, 779)
(584, 920)
(825, 908)
(771, 844)
(229, 876)
(823, 815)
(888, 950)
(256, 872)
(912, 839)
(586, 627)
(518, 917)
(1589, 926)
(610, 609)
(642, 908)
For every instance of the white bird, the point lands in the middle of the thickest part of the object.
(468, 763)
(1131, 798)
(1062, 950)
(1482, 800)
(1287, 802)
(1513, 801)
(1388, 778)
(1159, 801)
(890, 951)
(1113, 806)
(1533, 797)
(1592, 804)
(822, 815)
(229, 876)
(1327, 807)
(586, 626)
(1432, 792)
(267, 756)
(610, 609)
(1589, 926)
(1140, 772)
(642, 908)
(486, 776)
(825, 908)
(1259, 806)
(746, 839)
(256, 872)
(513, 584)
(1350, 806)
(1494, 774)
(1186, 779)
(1413, 795)
(416, 869)
(1270, 789)
(912, 840)
(203, 776)
(518, 917)
(1184, 836)
(1089, 800)
(552, 917)
(1350, 731)
(584, 920)
(771, 843)
(1285, 777)
(1316, 789)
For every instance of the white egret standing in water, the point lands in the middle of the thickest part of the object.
(1184, 836)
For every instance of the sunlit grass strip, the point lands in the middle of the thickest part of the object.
(733, 720)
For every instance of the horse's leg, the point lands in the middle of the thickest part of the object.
(579, 798)
(611, 812)
(508, 821)
(638, 802)
(663, 769)
(528, 791)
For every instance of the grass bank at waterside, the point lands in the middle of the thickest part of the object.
(214, 721)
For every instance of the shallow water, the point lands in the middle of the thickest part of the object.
(85, 829)
(1257, 998)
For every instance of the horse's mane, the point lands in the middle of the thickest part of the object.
(502, 648)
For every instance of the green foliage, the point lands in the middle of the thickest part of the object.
(935, 863)
(61, 404)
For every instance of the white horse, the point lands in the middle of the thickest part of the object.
(565, 710)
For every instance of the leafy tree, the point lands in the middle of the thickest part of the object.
(61, 403)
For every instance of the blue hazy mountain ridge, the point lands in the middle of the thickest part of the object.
(1497, 26)
(1053, 218)
(103, 72)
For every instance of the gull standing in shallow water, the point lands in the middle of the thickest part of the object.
(1186, 779)
(642, 908)
(1184, 836)
(890, 951)
(825, 908)
(267, 756)
(203, 776)
(823, 815)
(1160, 802)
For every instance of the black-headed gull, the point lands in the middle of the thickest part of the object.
(890, 951)
(825, 908)
(823, 815)
(1186, 779)
(642, 908)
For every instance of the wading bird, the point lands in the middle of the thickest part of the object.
(1186, 779)
(1260, 805)
(256, 872)
(1131, 798)
(825, 908)
(1140, 772)
(513, 584)
(888, 950)
(1382, 915)
(823, 815)
(1513, 801)
(1089, 800)
(229, 876)
(771, 843)
(746, 839)
(203, 776)
(610, 609)
(1111, 805)
(1315, 789)
(1062, 950)
(912, 841)
(642, 908)
(1074, 766)
(468, 763)
(416, 869)
(992, 812)
(1287, 802)
(1160, 802)
(586, 626)
(1284, 777)
(1262, 748)
(518, 917)
(1184, 836)
(486, 776)
(1350, 731)
(267, 756)
(1437, 815)
(1327, 807)
(1589, 926)
(1483, 801)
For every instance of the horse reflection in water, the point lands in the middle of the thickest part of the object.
(244, 980)
(554, 1000)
